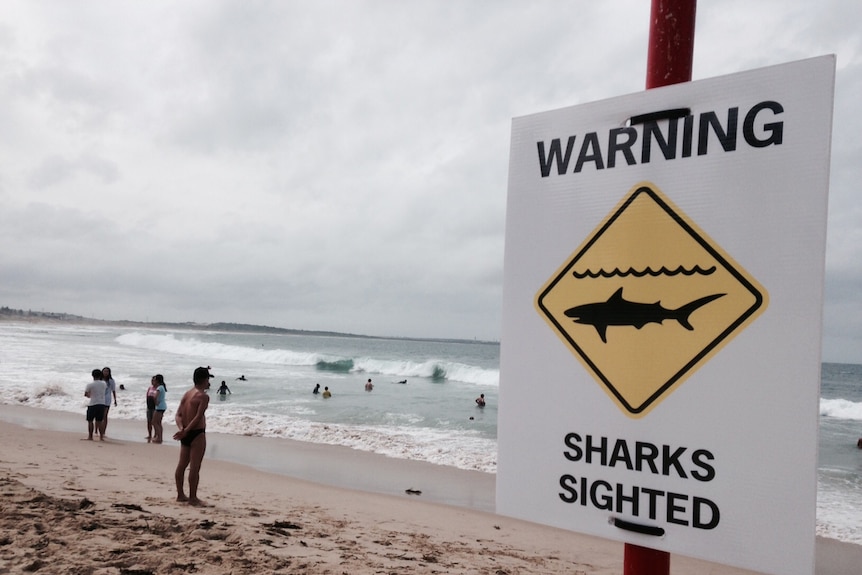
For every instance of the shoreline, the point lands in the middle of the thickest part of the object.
(359, 529)
(330, 465)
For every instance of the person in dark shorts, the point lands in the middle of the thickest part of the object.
(191, 421)
(151, 396)
(161, 407)
(95, 391)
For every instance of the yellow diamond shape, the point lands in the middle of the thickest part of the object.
(647, 299)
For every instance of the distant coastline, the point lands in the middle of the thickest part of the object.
(9, 314)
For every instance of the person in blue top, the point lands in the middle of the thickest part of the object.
(110, 391)
(161, 407)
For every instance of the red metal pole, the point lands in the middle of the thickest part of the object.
(671, 42)
(645, 561)
(669, 61)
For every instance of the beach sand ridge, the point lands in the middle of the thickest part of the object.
(72, 506)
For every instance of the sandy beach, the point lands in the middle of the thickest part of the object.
(75, 506)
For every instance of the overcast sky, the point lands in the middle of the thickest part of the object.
(336, 165)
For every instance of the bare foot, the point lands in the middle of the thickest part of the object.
(182, 498)
(197, 503)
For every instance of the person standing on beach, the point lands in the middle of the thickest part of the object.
(110, 390)
(161, 407)
(152, 393)
(191, 435)
(95, 391)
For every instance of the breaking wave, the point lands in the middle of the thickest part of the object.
(434, 369)
(841, 409)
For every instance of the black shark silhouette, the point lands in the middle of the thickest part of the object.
(618, 311)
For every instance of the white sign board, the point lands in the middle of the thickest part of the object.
(660, 359)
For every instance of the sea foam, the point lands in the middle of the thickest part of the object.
(841, 409)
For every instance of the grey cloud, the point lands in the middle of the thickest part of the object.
(54, 170)
(49, 172)
(332, 165)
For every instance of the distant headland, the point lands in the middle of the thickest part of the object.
(9, 314)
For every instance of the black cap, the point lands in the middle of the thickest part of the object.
(202, 374)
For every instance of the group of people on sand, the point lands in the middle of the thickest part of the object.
(99, 392)
(156, 406)
(190, 420)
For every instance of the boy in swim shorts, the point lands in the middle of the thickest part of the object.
(95, 391)
(192, 424)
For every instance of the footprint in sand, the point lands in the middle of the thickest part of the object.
(72, 485)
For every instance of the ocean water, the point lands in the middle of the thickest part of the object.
(839, 465)
(432, 417)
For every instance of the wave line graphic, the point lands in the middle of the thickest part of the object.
(641, 273)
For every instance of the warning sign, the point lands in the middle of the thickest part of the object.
(647, 299)
(662, 313)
